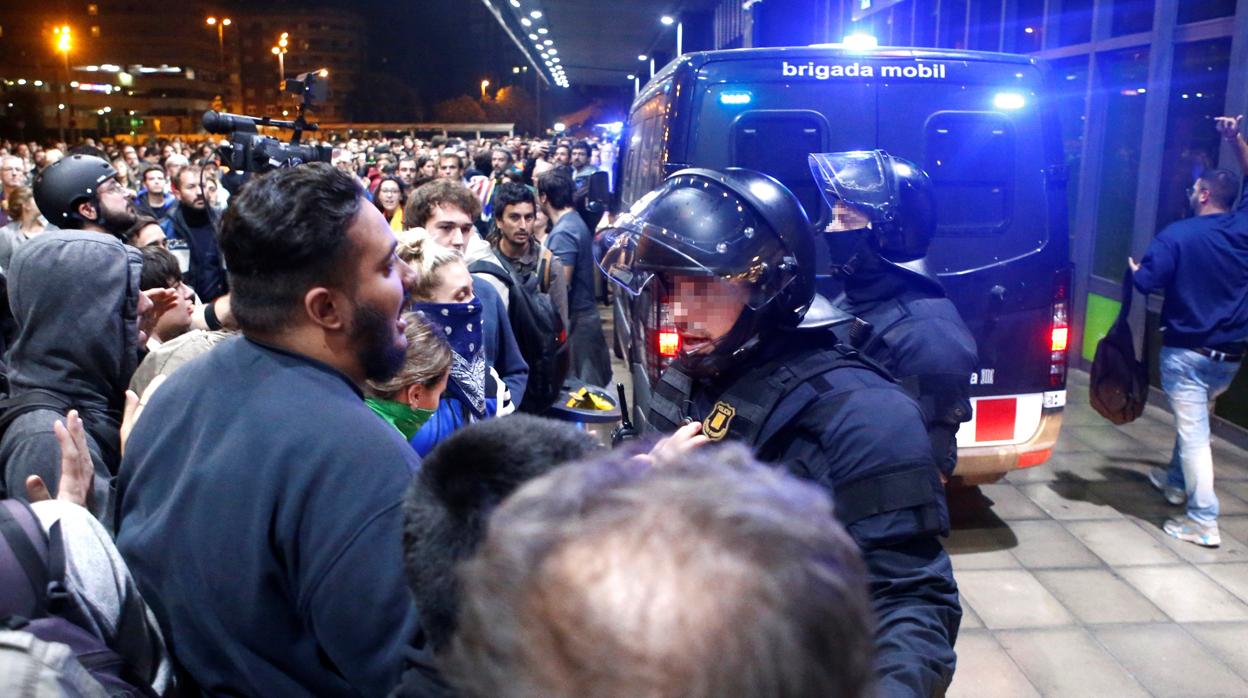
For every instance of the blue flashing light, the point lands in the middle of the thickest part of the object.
(860, 42)
(735, 98)
(1008, 101)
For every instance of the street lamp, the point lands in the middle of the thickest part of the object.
(283, 42)
(221, 24)
(64, 44)
(667, 21)
(484, 84)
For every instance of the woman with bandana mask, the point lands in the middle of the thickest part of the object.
(443, 297)
(410, 398)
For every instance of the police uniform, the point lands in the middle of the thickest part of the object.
(805, 402)
(918, 335)
(883, 218)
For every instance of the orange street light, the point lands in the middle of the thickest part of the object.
(484, 84)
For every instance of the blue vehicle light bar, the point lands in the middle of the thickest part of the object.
(735, 98)
(1008, 100)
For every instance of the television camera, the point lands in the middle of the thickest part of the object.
(248, 151)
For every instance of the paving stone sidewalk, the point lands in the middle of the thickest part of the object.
(1070, 587)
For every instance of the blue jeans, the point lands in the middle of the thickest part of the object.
(1192, 381)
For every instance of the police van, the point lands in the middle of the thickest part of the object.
(978, 123)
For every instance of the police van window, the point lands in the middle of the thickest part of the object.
(778, 143)
(970, 157)
(643, 166)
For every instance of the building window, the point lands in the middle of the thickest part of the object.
(95, 31)
(985, 25)
(1124, 74)
(1028, 26)
(925, 23)
(1201, 10)
(1075, 22)
(93, 9)
(1132, 17)
(1070, 100)
(952, 25)
(1197, 95)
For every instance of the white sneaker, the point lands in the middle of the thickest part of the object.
(1192, 531)
(1161, 480)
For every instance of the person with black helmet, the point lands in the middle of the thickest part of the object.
(732, 252)
(883, 215)
(81, 192)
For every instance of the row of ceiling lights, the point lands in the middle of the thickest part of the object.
(544, 45)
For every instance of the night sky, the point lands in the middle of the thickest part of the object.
(444, 48)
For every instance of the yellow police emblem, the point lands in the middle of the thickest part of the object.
(716, 424)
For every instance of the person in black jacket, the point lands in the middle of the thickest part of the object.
(192, 231)
(758, 363)
(883, 214)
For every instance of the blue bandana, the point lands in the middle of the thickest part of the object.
(460, 323)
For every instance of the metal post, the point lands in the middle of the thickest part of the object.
(1152, 146)
(680, 39)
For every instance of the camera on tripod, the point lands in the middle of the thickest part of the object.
(248, 151)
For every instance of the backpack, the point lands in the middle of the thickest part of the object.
(1118, 382)
(32, 668)
(35, 599)
(537, 326)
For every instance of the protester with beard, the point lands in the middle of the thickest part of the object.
(192, 231)
(270, 554)
(81, 193)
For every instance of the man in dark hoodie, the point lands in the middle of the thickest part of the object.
(263, 525)
(75, 297)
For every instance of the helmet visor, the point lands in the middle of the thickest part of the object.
(632, 253)
(854, 185)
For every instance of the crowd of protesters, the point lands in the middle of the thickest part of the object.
(273, 433)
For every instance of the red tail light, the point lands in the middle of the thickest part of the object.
(668, 343)
(1059, 338)
(1059, 329)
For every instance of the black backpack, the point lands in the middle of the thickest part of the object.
(538, 328)
(1118, 382)
(56, 614)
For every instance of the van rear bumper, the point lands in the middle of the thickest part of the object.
(979, 465)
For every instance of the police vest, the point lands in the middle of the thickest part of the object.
(744, 412)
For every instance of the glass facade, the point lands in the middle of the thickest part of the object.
(1197, 95)
(1069, 78)
(1124, 75)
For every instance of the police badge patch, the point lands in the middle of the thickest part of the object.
(716, 424)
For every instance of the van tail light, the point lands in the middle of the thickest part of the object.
(663, 342)
(668, 343)
(1059, 329)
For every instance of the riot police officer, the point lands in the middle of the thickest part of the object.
(883, 217)
(758, 363)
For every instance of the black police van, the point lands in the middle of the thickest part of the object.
(979, 123)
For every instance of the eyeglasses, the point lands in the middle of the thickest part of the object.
(111, 187)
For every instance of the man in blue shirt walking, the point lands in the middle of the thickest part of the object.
(1201, 263)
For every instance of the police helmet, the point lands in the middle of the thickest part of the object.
(887, 198)
(735, 225)
(62, 186)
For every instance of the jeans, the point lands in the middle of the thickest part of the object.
(1192, 381)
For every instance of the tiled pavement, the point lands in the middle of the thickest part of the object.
(1070, 587)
